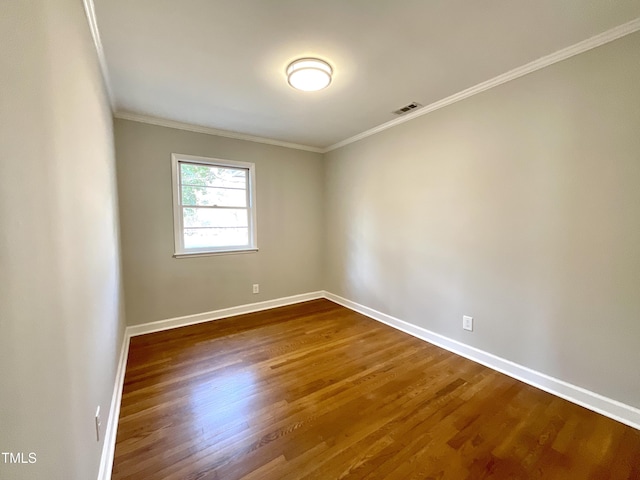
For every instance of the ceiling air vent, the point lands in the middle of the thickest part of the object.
(407, 108)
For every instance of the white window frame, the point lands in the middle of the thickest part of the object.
(178, 227)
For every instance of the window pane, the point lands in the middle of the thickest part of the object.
(223, 197)
(214, 217)
(210, 176)
(215, 237)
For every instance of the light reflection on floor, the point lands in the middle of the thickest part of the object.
(209, 416)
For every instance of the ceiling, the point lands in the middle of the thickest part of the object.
(221, 63)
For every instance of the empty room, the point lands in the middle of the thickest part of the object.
(295, 239)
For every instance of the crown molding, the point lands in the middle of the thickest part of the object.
(90, 12)
(581, 47)
(571, 51)
(163, 122)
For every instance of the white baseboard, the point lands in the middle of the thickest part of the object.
(109, 443)
(598, 403)
(170, 323)
(593, 401)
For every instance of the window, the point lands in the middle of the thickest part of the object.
(213, 206)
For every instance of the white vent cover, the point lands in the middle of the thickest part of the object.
(407, 108)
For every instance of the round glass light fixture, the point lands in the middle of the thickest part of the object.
(309, 74)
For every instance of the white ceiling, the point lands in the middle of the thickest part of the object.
(220, 63)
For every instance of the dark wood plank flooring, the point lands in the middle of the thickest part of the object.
(316, 391)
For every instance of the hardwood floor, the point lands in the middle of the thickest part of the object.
(316, 391)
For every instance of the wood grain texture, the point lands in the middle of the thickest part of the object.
(316, 391)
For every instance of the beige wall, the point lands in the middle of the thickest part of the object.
(60, 321)
(520, 207)
(289, 209)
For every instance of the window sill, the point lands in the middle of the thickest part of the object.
(210, 254)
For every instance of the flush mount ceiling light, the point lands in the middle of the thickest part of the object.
(309, 74)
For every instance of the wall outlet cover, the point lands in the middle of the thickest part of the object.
(98, 424)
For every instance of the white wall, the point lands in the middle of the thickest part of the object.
(519, 206)
(61, 324)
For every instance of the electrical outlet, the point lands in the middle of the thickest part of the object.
(98, 424)
(256, 288)
(467, 323)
